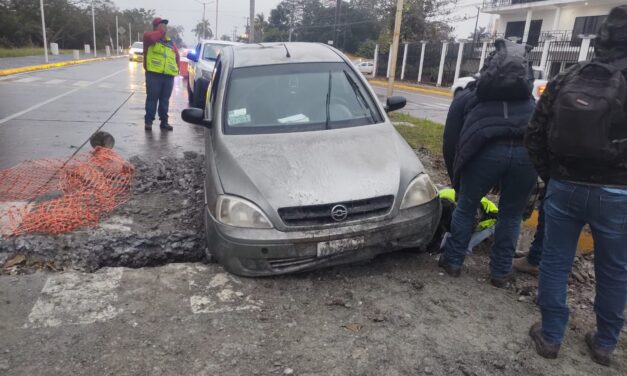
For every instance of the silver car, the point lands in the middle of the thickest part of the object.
(304, 168)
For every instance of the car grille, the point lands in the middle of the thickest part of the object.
(321, 214)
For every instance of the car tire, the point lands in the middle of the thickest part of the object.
(209, 257)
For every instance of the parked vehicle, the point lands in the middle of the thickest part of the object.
(304, 168)
(539, 84)
(201, 61)
(136, 52)
(365, 67)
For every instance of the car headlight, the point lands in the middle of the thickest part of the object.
(206, 74)
(237, 212)
(420, 191)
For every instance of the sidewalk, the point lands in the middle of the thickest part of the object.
(14, 65)
(411, 87)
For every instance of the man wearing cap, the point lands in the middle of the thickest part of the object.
(161, 63)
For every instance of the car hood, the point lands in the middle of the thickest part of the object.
(310, 168)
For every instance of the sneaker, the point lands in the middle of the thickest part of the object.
(523, 265)
(165, 126)
(453, 271)
(543, 348)
(501, 282)
(148, 126)
(599, 354)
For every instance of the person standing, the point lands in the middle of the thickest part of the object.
(577, 139)
(161, 63)
(483, 148)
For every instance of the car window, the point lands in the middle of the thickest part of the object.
(297, 97)
(211, 51)
(138, 45)
(215, 81)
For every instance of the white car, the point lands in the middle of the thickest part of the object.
(365, 67)
(136, 52)
(539, 84)
(201, 61)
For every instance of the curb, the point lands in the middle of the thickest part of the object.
(442, 92)
(31, 68)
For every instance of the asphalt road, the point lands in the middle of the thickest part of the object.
(47, 114)
(430, 106)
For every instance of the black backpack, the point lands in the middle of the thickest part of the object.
(507, 75)
(590, 120)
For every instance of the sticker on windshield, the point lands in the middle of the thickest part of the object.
(238, 116)
(300, 118)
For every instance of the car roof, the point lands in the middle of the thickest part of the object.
(218, 41)
(276, 53)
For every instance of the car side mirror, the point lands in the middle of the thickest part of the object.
(395, 103)
(192, 56)
(196, 116)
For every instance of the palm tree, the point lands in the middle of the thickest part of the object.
(260, 23)
(202, 30)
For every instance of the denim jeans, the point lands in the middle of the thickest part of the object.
(568, 207)
(497, 163)
(158, 90)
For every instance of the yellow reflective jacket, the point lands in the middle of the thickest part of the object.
(487, 215)
(161, 58)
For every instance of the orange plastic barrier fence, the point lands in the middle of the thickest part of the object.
(51, 196)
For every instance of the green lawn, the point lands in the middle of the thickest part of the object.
(422, 133)
(17, 52)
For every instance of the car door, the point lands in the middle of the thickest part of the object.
(193, 67)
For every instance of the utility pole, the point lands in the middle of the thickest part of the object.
(217, 36)
(338, 4)
(43, 29)
(474, 37)
(117, 45)
(93, 25)
(204, 22)
(130, 35)
(394, 51)
(251, 31)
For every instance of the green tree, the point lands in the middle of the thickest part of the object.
(202, 30)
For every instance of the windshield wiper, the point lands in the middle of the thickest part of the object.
(326, 126)
(360, 98)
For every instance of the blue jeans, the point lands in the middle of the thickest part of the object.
(510, 166)
(158, 90)
(568, 207)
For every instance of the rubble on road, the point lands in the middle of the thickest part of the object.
(161, 222)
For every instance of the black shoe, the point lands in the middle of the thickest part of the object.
(148, 126)
(453, 271)
(165, 126)
(501, 282)
(543, 348)
(599, 354)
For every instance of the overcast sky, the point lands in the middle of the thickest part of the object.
(232, 14)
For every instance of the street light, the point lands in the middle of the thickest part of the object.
(43, 28)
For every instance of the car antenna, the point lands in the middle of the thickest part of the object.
(287, 52)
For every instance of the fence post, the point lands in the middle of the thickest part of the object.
(484, 52)
(376, 57)
(422, 60)
(404, 62)
(387, 75)
(442, 59)
(460, 56)
(545, 55)
(585, 47)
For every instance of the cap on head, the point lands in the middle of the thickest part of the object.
(159, 20)
(613, 31)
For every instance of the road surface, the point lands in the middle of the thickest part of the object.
(430, 106)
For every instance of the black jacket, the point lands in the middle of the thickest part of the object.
(471, 125)
(536, 139)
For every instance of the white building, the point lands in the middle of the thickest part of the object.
(563, 22)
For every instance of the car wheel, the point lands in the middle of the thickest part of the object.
(208, 255)
(190, 94)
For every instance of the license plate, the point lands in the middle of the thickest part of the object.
(338, 246)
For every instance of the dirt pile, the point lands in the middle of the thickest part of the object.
(162, 222)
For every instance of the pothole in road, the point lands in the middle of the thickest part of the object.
(161, 223)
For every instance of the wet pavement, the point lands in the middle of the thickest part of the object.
(25, 61)
(47, 114)
(429, 106)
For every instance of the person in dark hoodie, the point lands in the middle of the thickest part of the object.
(483, 149)
(577, 139)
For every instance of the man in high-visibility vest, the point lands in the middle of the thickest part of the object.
(161, 63)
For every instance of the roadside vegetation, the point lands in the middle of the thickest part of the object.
(419, 133)
(18, 52)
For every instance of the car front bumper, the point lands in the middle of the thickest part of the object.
(265, 252)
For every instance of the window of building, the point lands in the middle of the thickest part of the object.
(586, 26)
(517, 29)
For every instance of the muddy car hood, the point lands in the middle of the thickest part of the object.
(309, 168)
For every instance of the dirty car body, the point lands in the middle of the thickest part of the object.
(304, 168)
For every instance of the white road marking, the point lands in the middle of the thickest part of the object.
(220, 296)
(17, 114)
(77, 299)
(27, 79)
(54, 82)
(434, 105)
(81, 83)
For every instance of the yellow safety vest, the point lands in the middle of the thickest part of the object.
(489, 211)
(160, 58)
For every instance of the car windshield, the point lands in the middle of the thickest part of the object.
(297, 97)
(138, 45)
(211, 51)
